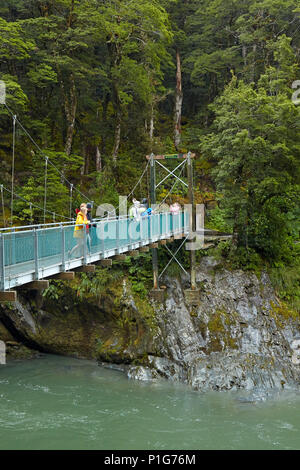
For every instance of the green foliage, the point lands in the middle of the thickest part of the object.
(240, 257)
(15, 96)
(285, 278)
(96, 284)
(246, 259)
(140, 273)
(57, 196)
(42, 75)
(77, 70)
(218, 220)
(91, 80)
(54, 291)
(256, 154)
(12, 43)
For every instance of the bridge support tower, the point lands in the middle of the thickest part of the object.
(192, 294)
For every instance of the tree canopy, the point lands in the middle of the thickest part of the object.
(99, 84)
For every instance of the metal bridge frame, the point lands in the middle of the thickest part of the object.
(188, 161)
(31, 254)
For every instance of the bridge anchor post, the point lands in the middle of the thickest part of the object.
(158, 295)
(8, 296)
(192, 295)
(154, 246)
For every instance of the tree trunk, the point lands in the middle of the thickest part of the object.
(98, 160)
(151, 124)
(86, 160)
(115, 54)
(104, 124)
(236, 228)
(253, 63)
(117, 138)
(178, 103)
(70, 17)
(244, 52)
(70, 110)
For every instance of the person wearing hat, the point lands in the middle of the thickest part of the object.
(146, 210)
(90, 221)
(142, 208)
(145, 203)
(89, 212)
(134, 209)
(81, 225)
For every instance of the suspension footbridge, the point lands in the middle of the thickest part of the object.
(33, 253)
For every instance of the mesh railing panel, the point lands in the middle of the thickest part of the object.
(49, 244)
(18, 247)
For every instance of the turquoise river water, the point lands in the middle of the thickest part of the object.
(63, 403)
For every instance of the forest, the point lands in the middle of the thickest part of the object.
(93, 86)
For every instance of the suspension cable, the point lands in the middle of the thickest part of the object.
(35, 205)
(13, 169)
(31, 212)
(42, 152)
(3, 210)
(174, 184)
(71, 193)
(48, 161)
(45, 190)
(132, 191)
(140, 179)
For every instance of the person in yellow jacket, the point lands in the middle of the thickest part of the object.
(80, 226)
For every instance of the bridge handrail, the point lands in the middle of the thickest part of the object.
(23, 228)
(33, 252)
(50, 225)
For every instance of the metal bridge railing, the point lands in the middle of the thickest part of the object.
(32, 252)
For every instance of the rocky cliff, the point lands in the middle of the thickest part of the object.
(239, 337)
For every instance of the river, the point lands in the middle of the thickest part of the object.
(64, 403)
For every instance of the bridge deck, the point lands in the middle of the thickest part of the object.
(28, 255)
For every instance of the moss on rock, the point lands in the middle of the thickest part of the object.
(219, 333)
(99, 318)
(283, 314)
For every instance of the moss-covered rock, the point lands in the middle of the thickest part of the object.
(239, 335)
(14, 349)
(115, 325)
(283, 314)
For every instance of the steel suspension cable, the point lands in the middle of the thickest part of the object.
(174, 184)
(13, 169)
(3, 209)
(45, 190)
(31, 204)
(42, 153)
(132, 191)
(71, 193)
(61, 174)
(31, 212)
(140, 179)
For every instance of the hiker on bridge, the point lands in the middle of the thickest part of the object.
(145, 209)
(142, 208)
(134, 211)
(90, 219)
(175, 208)
(145, 203)
(82, 224)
